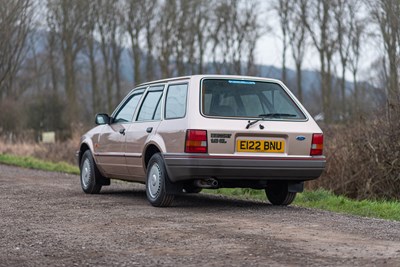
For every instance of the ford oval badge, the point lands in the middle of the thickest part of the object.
(300, 138)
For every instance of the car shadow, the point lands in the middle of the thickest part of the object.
(200, 200)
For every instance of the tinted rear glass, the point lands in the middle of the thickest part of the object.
(238, 98)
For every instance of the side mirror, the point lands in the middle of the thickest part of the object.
(102, 118)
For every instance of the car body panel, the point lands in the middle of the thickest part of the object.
(110, 150)
(137, 138)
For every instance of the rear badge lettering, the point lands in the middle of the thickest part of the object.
(219, 138)
(216, 140)
(218, 135)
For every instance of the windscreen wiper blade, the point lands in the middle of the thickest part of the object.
(276, 115)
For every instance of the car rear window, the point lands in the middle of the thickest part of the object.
(245, 98)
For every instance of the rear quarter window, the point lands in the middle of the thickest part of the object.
(175, 102)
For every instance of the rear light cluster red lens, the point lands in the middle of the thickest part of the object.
(196, 141)
(317, 145)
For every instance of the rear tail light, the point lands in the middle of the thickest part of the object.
(317, 145)
(196, 141)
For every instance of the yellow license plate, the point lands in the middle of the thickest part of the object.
(264, 146)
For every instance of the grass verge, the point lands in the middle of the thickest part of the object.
(325, 200)
(33, 163)
(319, 199)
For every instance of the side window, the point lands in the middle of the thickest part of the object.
(150, 107)
(157, 113)
(175, 103)
(125, 113)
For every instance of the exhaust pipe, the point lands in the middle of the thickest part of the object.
(206, 183)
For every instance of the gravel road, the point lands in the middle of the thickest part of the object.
(46, 220)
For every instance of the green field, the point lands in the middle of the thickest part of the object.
(319, 199)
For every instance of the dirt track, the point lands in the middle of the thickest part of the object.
(46, 220)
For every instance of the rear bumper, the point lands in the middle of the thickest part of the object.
(181, 167)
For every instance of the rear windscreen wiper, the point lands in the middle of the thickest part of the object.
(250, 123)
(269, 115)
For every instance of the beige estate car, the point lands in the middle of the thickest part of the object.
(183, 134)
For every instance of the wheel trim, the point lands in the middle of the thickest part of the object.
(154, 181)
(86, 173)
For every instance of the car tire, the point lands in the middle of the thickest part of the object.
(191, 189)
(89, 174)
(278, 194)
(157, 177)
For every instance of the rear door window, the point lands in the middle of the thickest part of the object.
(151, 106)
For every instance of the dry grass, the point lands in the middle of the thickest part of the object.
(363, 160)
(57, 152)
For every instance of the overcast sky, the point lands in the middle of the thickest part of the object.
(269, 49)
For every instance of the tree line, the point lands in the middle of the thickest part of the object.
(70, 52)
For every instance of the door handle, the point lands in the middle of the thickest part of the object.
(149, 129)
(122, 131)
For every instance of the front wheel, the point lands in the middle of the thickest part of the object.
(278, 194)
(90, 175)
(157, 176)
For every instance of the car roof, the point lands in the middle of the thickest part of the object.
(217, 76)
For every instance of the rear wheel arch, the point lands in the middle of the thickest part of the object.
(150, 150)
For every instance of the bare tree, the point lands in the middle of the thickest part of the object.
(183, 40)
(117, 47)
(235, 33)
(345, 17)
(190, 35)
(282, 8)
(319, 22)
(226, 39)
(15, 18)
(386, 13)
(354, 58)
(150, 26)
(200, 25)
(67, 18)
(110, 30)
(297, 32)
(253, 30)
(105, 27)
(166, 36)
(91, 49)
(53, 46)
(135, 25)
